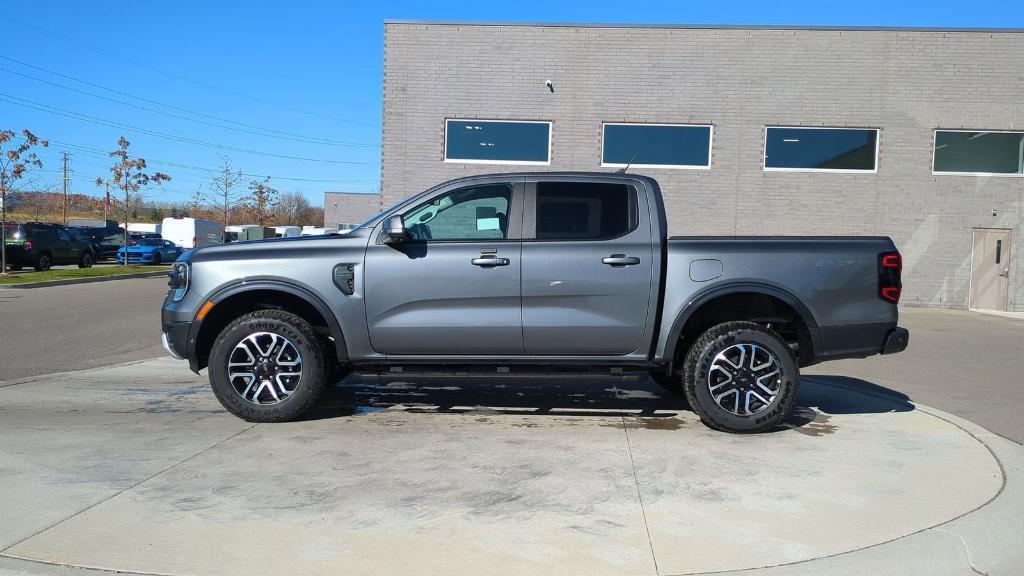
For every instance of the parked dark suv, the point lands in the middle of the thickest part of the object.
(106, 236)
(42, 245)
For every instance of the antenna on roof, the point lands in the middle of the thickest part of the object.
(630, 163)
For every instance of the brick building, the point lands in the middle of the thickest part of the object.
(917, 134)
(344, 210)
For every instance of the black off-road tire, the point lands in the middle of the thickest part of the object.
(698, 363)
(43, 262)
(312, 382)
(87, 260)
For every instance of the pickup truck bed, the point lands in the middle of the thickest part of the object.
(836, 278)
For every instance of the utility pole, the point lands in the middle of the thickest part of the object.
(65, 211)
(106, 201)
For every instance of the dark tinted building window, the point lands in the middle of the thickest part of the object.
(979, 152)
(657, 145)
(494, 141)
(820, 149)
(584, 211)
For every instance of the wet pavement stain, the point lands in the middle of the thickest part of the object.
(647, 423)
(817, 427)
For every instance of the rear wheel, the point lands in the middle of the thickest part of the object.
(86, 261)
(268, 366)
(42, 263)
(740, 377)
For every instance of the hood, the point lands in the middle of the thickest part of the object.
(137, 248)
(274, 247)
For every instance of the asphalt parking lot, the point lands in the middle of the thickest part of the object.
(61, 328)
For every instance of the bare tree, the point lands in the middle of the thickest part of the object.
(15, 162)
(197, 203)
(224, 184)
(292, 208)
(129, 174)
(261, 200)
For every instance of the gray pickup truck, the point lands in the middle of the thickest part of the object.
(532, 273)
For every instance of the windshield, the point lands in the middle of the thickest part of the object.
(149, 242)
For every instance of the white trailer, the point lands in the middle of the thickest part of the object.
(191, 232)
(287, 231)
(144, 227)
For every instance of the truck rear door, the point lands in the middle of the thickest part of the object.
(588, 261)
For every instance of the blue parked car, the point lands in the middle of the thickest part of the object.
(150, 251)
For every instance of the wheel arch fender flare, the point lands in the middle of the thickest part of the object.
(222, 293)
(714, 292)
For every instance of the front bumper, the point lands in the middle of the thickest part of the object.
(136, 258)
(896, 341)
(175, 338)
(169, 348)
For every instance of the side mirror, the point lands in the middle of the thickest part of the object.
(394, 231)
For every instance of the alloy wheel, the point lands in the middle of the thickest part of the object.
(264, 368)
(744, 379)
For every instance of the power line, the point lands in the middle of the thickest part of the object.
(102, 122)
(106, 154)
(177, 76)
(247, 128)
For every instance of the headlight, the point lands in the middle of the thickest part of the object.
(179, 282)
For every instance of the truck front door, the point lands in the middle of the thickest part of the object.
(588, 261)
(453, 288)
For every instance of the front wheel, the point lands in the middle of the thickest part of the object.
(740, 377)
(268, 366)
(157, 259)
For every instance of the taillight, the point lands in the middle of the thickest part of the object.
(28, 245)
(890, 265)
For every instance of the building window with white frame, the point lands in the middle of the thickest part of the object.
(980, 153)
(821, 149)
(497, 141)
(656, 145)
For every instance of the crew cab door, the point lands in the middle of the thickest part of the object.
(453, 287)
(588, 261)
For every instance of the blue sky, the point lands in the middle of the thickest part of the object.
(299, 83)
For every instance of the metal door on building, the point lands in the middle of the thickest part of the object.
(990, 269)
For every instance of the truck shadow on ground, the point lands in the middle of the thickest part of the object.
(819, 398)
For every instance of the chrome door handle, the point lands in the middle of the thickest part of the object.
(1005, 273)
(489, 261)
(620, 260)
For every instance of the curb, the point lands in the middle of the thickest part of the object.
(69, 281)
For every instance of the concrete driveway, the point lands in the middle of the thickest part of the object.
(136, 468)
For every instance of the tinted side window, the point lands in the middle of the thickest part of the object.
(472, 213)
(63, 235)
(584, 211)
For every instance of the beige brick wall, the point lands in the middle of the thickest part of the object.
(906, 83)
(349, 207)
